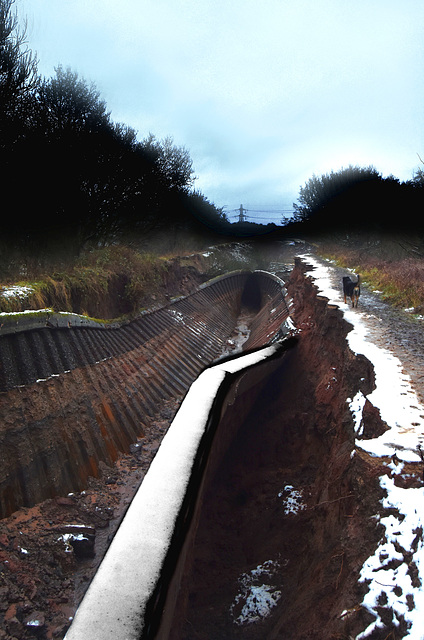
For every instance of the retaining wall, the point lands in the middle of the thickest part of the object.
(74, 394)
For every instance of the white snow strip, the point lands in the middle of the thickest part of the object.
(389, 572)
(19, 313)
(394, 395)
(116, 599)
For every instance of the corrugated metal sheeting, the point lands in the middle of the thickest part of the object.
(71, 397)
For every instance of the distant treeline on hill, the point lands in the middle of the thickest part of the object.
(69, 173)
(360, 198)
(70, 176)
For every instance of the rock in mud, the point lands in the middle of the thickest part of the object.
(81, 539)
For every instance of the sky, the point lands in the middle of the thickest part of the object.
(263, 93)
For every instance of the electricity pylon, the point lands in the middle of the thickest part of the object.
(242, 217)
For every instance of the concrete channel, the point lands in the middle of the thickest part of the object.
(83, 392)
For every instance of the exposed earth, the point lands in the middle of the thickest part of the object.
(291, 515)
(49, 553)
(391, 328)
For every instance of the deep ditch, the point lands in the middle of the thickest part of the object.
(287, 507)
(285, 523)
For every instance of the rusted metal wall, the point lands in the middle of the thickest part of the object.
(74, 396)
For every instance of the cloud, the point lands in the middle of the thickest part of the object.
(263, 94)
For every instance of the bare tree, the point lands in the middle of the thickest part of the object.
(174, 163)
(18, 69)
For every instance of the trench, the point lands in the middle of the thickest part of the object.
(279, 505)
(283, 519)
(75, 395)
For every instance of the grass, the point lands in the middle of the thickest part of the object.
(397, 272)
(119, 280)
(106, 282)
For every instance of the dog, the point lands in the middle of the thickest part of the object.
(351, 290)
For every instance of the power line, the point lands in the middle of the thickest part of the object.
(265, 210)
(255, 217)
(270, 210)
(243, 217)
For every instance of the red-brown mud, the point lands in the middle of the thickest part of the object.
(42, 576)
(260, 567)
(298, 438)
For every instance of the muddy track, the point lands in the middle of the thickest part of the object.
(391, 328)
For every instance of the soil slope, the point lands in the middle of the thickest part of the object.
(298, 506)
(287, 522)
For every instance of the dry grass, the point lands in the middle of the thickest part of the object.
(395, 272)
(89, 284)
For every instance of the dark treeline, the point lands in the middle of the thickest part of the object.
(360, 198)
(70, 175)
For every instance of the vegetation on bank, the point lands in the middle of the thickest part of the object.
(107, 282)
(391, 265)
(72, 177)
(121, 280)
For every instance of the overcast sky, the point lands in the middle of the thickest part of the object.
(263, 93)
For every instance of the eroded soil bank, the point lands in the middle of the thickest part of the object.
(288, 518)
(290, 509)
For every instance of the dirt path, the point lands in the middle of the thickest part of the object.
(389, 328)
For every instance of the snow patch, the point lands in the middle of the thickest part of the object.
(256, 599)
(292, 500)
(177, 315)
(356, 406)
(68, 538)
(17, 291)
(398, 583)
(34, 622)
